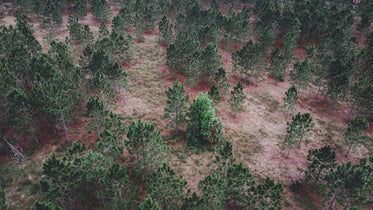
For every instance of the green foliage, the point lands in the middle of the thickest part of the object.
(80, 7)
(214, 95)
(2, 199)
(210, 60)
(201, 116)
(97, 112)
(145, 146)
(216, 131)
(45, 205)
(277, 65)
(291, 99)
(249, 60)
(74, 27)
(301, 124)
(213, 188)
(349, 184)
(164, 187)
(268, 195)
(117, 190)
(301, 74)
(148, 204)
(118, 26)
(353, 134)
(321, 161)
(175, 111)
(237, 99)
(220, 81)
(100, 9)
(165, 30)
(239, 181)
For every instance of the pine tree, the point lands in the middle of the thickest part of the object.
(301, 74)
(176, 105)
(239, 179)
(118, 26)
(145, 147)
(213, 188)
(148, 204)
(166, 188)
(237, 99)
(291, 99)
(267, 195)
(2, 199)
(214, 95)
(100, 9)
(201, 116)
(103, 31)
(353, 134)
(277, 62)
(45, 205)
(117, 191)
(80, 7)
(321, 161)
(97, 112)
(349, 184)
(220, 81)
(301, 124)
(74, 27)
(210, 60)
(165, 30)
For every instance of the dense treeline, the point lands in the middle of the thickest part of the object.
(48, 88)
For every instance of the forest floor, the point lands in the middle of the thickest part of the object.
(257, 132)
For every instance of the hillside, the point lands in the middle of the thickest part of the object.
(83, 122)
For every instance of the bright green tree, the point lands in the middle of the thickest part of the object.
(353, 134)
(237, 99)
(201, 116)
(176, 109)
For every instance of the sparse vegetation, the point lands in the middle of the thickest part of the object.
(84, 86)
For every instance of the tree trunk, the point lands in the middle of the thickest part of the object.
(235, 114)
(348, 151)
(348, 203)
(288, 153)
(333, 199)
(350, 112)
(287, 113)
(65, 128)
(334, 103)
(300, 84)
(318, 90)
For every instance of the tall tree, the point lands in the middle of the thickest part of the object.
(145, 146)
(267, 195)
(237, 99)
(176, 105)
(165, 31)
(213, 188)
(353, 134)
(201, 116)
(2, 199)
(321, 161)
(210, 60)
(97, 112)
(117, 25)
(301, 124)
(100, 9)
(349, 184)
(220, 81)
(148, 204)
(291, 99)
(166, 188)
(301, 74)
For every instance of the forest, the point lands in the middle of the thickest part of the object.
(194, 104)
